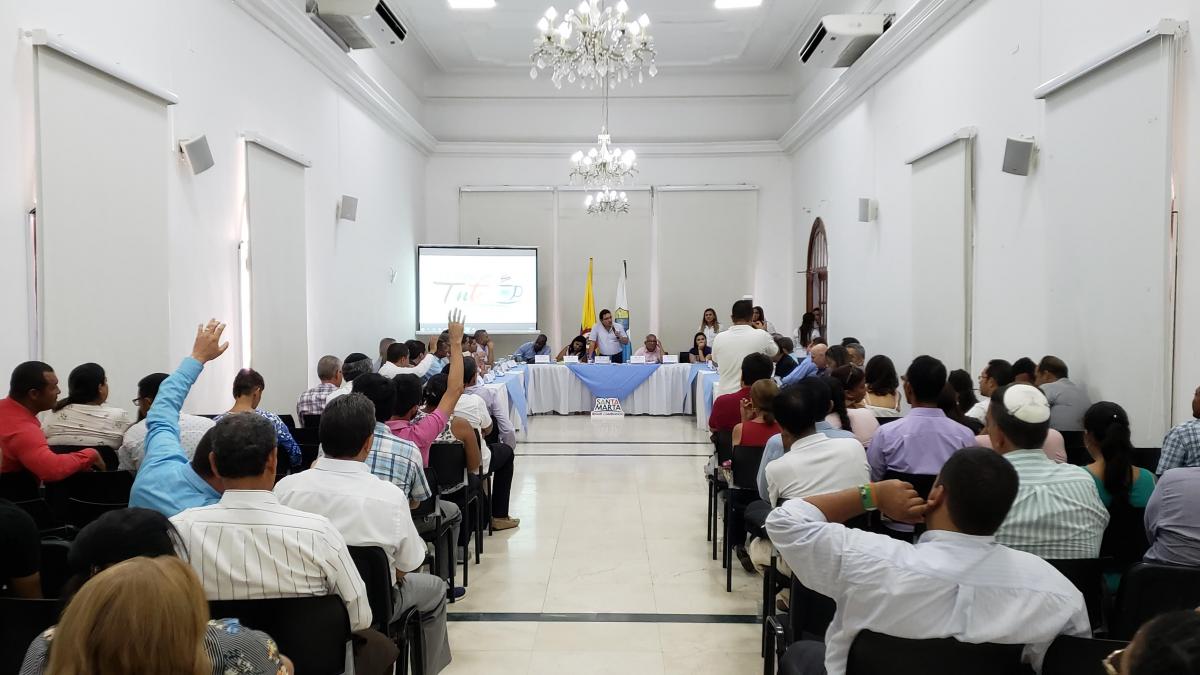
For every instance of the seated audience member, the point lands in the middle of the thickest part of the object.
(1106, 435)
(1171, 524)
(503, 431)
(964, 390)
(384, 344)
(32, 389)
(1068, 401)
(1181, 447)
(457, 430)
(20, 552)
(997, 373)
(1168, 644)
(248, 388)
(133, 448)
(948, 402)
(809, 330)
(82, 418)
(396, 360)
(419, 361)
(1057, 513)
(709, 325)
(849, 385)
(813, 365)
(775, 447)
(1054, 447)
(577, 348)
(497, 457)
(966, 585)
(142, 534)
(785, 363)
(440, 354)
(371, 512)
(858, 354)
(737, 342)
(393, 459)
(528, 352)
(758, 421)
(608, 338)
(836, 357)
(726, 409)
(353, 365)
(883, 397)
(1024, 371)
(166, 481)
(813, 462)
(652, 349)
(759, 321)
(485, 349)
(700, 351)
(312, 402)
(404, 423)
(230, 540)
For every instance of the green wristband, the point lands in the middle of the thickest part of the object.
(867, 497)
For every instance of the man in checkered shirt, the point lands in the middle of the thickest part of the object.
(312, 402)
(1181, 447)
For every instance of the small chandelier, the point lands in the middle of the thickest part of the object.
(593, 43)
(606, 202)
(602, 165)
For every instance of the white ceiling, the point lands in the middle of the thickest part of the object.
(687, 33)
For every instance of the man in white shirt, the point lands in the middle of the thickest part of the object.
(956, 581)
(133, 446)
(399, 362)
(814, 462)
(732, 345)
(236, 545)
(608, 338)
(997, 373)
(368, 511)
(497, 458)
(355, 364)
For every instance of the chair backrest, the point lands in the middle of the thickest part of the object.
(20, 622)
(1125, 539)
(449, 462)
(311, 422)
(874, 653)
(810, 612)
(378, 577)
(887, 420)
(723, 445)
(1087, 574)
(309, 439)
(428, 506)
(54, 569)
(921, 482)
(1070, 655)
(109, 455)
(745, 467)
(288, 420)
(1148, 590)
(311, 631)
(1147, 458)
(1077, 453)
(85, 496)
(19, 486)
(685, 356)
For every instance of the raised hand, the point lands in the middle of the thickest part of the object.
(455, 322)
(208, 345)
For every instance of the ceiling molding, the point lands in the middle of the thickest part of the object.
(905, 37)
(283, 19)
(561, 150)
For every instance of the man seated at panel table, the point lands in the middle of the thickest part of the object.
(652, 349)
(608, 338)
(527, 352)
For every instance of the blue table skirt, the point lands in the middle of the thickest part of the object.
(607, 380)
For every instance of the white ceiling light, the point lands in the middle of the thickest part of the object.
(736, 4)
(592, 43)
(471, 4)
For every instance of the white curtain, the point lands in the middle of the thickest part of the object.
(103, 157)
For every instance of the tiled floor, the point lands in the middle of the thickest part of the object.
(612, 521)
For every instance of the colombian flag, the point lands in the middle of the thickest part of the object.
(588, 319)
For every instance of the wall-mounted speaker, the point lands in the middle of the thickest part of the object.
(348, 208)
(1018, 156)
(197, 153)
(867, 209)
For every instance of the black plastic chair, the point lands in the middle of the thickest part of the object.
(923, 484)
(723, 451)
(309, 440)
(312, 631)
(85, 496)
(1087, 574)
(1147, 458)
(808, 618)
(1069, 655)
(20, 622)
(1077, 453)
(874, 653)
(745, 461)
(310, 422)
(449, 463)
(289, 421)
(54, 570)
(428, 510)
(1148, 590)
(685, 357)
(378, 576)
(887, 420)
(23, 489)
(109, 455)
(1124, 543)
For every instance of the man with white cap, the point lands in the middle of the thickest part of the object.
(1057, 513)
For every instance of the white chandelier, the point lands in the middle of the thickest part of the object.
(603, 165)
(593, 43)
(607, 202)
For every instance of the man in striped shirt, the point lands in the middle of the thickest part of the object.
(1057, 513)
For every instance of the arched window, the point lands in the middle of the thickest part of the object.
(818, 274)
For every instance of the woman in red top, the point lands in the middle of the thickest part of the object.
(758, 423)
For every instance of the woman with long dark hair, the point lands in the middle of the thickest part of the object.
(808, 330)
(83, 418)
(849, 389)
(883, 384)
(1107, 438)
(700, 352)
(759, 320)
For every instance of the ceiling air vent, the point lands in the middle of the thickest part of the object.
(344, 22)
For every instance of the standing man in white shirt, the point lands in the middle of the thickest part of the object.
(133, 446)
(608, 338)
(732, 345)
(368, 511)
(965, 585)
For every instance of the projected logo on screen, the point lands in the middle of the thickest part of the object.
(482, 292)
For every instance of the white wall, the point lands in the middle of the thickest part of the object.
(980, 71)
(231, 75)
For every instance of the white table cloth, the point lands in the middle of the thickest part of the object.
(501, 392)
(703, 407)
(553, 388)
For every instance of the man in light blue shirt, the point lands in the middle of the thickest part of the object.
(538, 347)
(166, 482)
(813, 364)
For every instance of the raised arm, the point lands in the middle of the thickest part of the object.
(162, 422)
(454, 379)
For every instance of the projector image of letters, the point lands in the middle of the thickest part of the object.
(502, 291)
(495, 287)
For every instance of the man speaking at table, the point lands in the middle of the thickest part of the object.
(608, 338)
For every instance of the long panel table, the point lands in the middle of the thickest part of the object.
(554, 388)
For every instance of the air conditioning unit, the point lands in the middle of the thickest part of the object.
(352, 24)
(840, 39)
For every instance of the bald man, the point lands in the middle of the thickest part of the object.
(813, 365)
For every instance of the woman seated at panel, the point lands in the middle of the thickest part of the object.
(700, 352)
(83, 418)
(578, 347)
